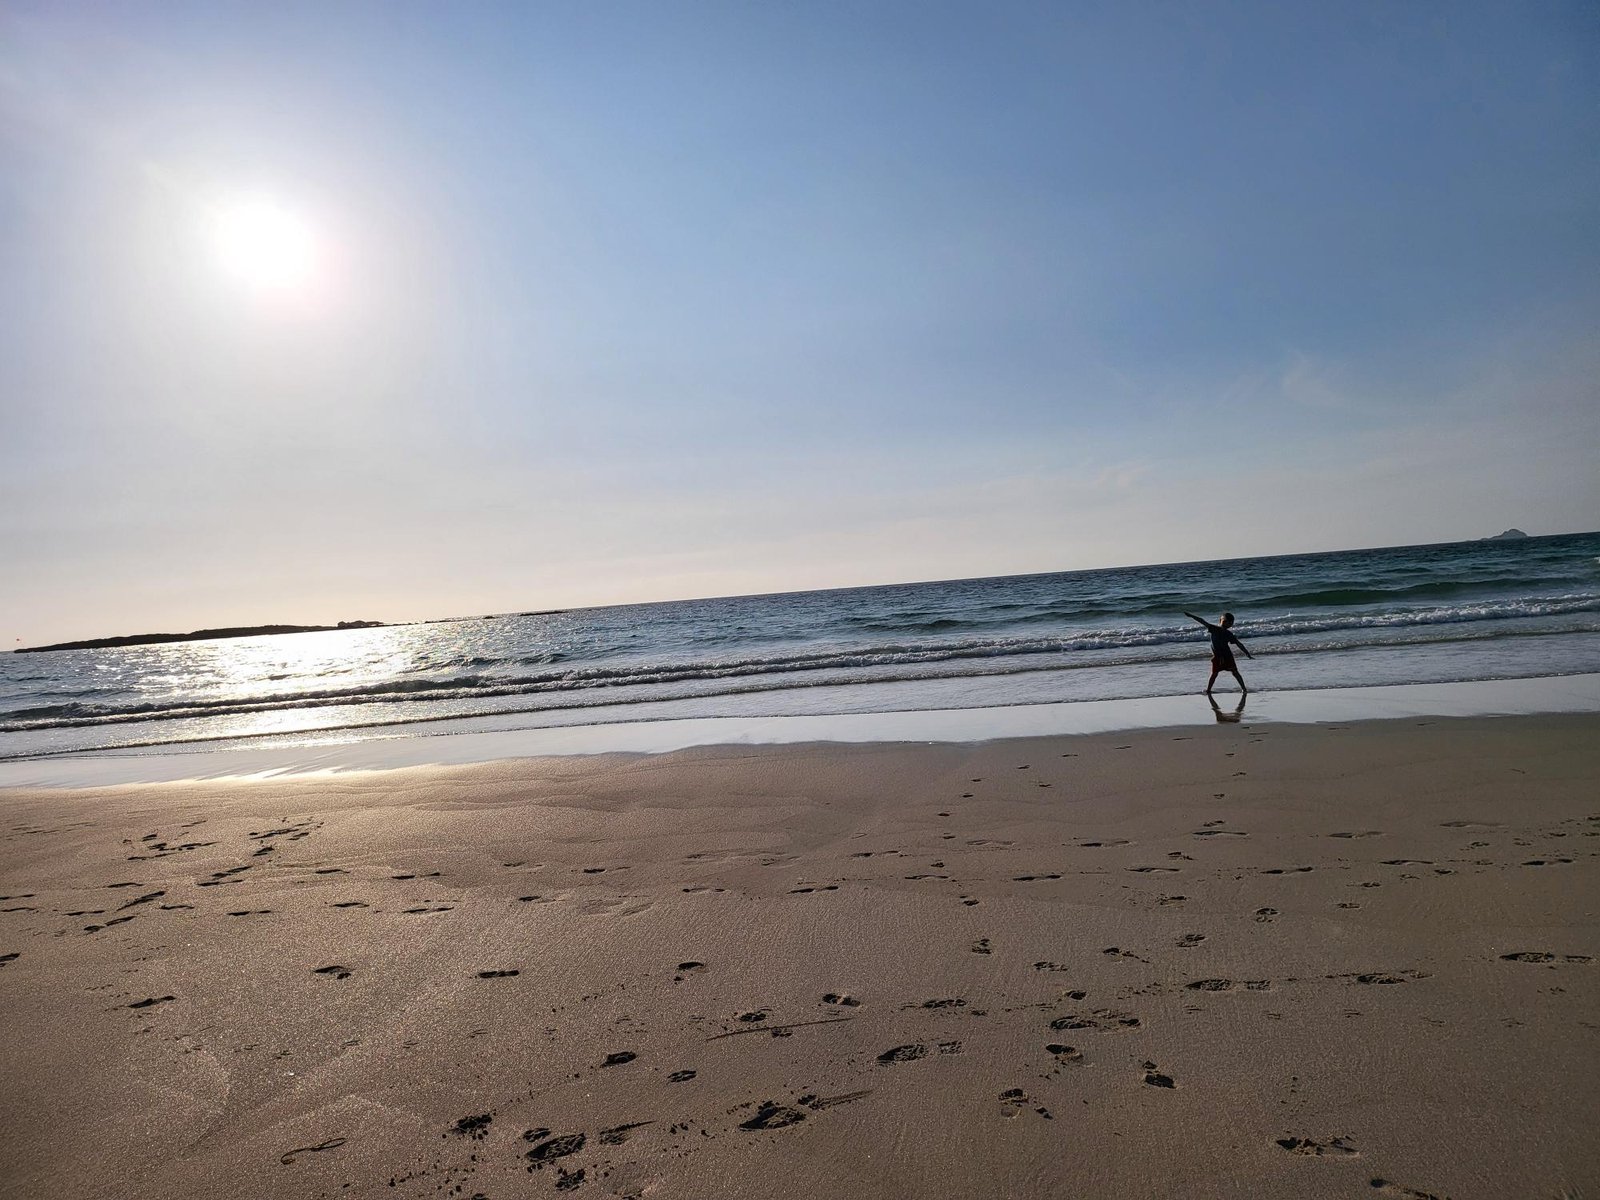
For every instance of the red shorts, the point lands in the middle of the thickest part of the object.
(1223, 662)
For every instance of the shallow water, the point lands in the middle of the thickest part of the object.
(1462, 611)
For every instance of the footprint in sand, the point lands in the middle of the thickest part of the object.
(1395, 1189)
(618, 1134)
(111, 922)
(842, 999)
(680, 1076)
(1383, 977)
(476, 1128)
(981, 946)
(1544, 956)
(771, 1115)
(1015, 1100)
(1338, 1147)
(1103, 1019)
(914, 1051)
(336, 971)
(1190, 939)
(1065, 1054)
(499, 974)
(553, 1148)
(1154, 1078)
(152, 1002)
(1227, 985)
(818, 1103)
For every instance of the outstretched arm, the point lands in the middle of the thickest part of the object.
(1234, 639)
(1202, 620)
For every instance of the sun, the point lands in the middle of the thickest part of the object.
(265, 245)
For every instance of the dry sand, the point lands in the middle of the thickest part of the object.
(1233, 961)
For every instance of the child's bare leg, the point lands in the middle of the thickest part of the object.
(1240, 678)
(1210, 683)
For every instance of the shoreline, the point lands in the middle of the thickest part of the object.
(490, 738)
(1268, 959)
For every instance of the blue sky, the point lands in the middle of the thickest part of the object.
(635, 301)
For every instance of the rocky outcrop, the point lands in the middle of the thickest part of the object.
(199, 635)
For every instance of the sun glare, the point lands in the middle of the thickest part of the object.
(265, 246)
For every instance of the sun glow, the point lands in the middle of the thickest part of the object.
(266, 246)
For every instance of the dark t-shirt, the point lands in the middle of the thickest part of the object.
(1220, 641)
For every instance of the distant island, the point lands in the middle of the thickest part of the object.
(199, 635)
(1508, 535)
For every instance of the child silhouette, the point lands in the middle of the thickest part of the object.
(1222, 643)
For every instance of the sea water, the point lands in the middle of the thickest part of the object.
(1500, 609)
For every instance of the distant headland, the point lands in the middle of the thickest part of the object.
(199, 635)
(1508, 535)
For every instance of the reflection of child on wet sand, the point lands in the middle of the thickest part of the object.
(1225, 717)
(1222, 643)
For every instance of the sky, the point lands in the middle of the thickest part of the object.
(572, 303)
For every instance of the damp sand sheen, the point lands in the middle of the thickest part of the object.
(1319, 960)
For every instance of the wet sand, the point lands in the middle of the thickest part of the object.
(1241, 960)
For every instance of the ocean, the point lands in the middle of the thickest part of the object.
(1499, 609)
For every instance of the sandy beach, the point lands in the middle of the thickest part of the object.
(1235, 961)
